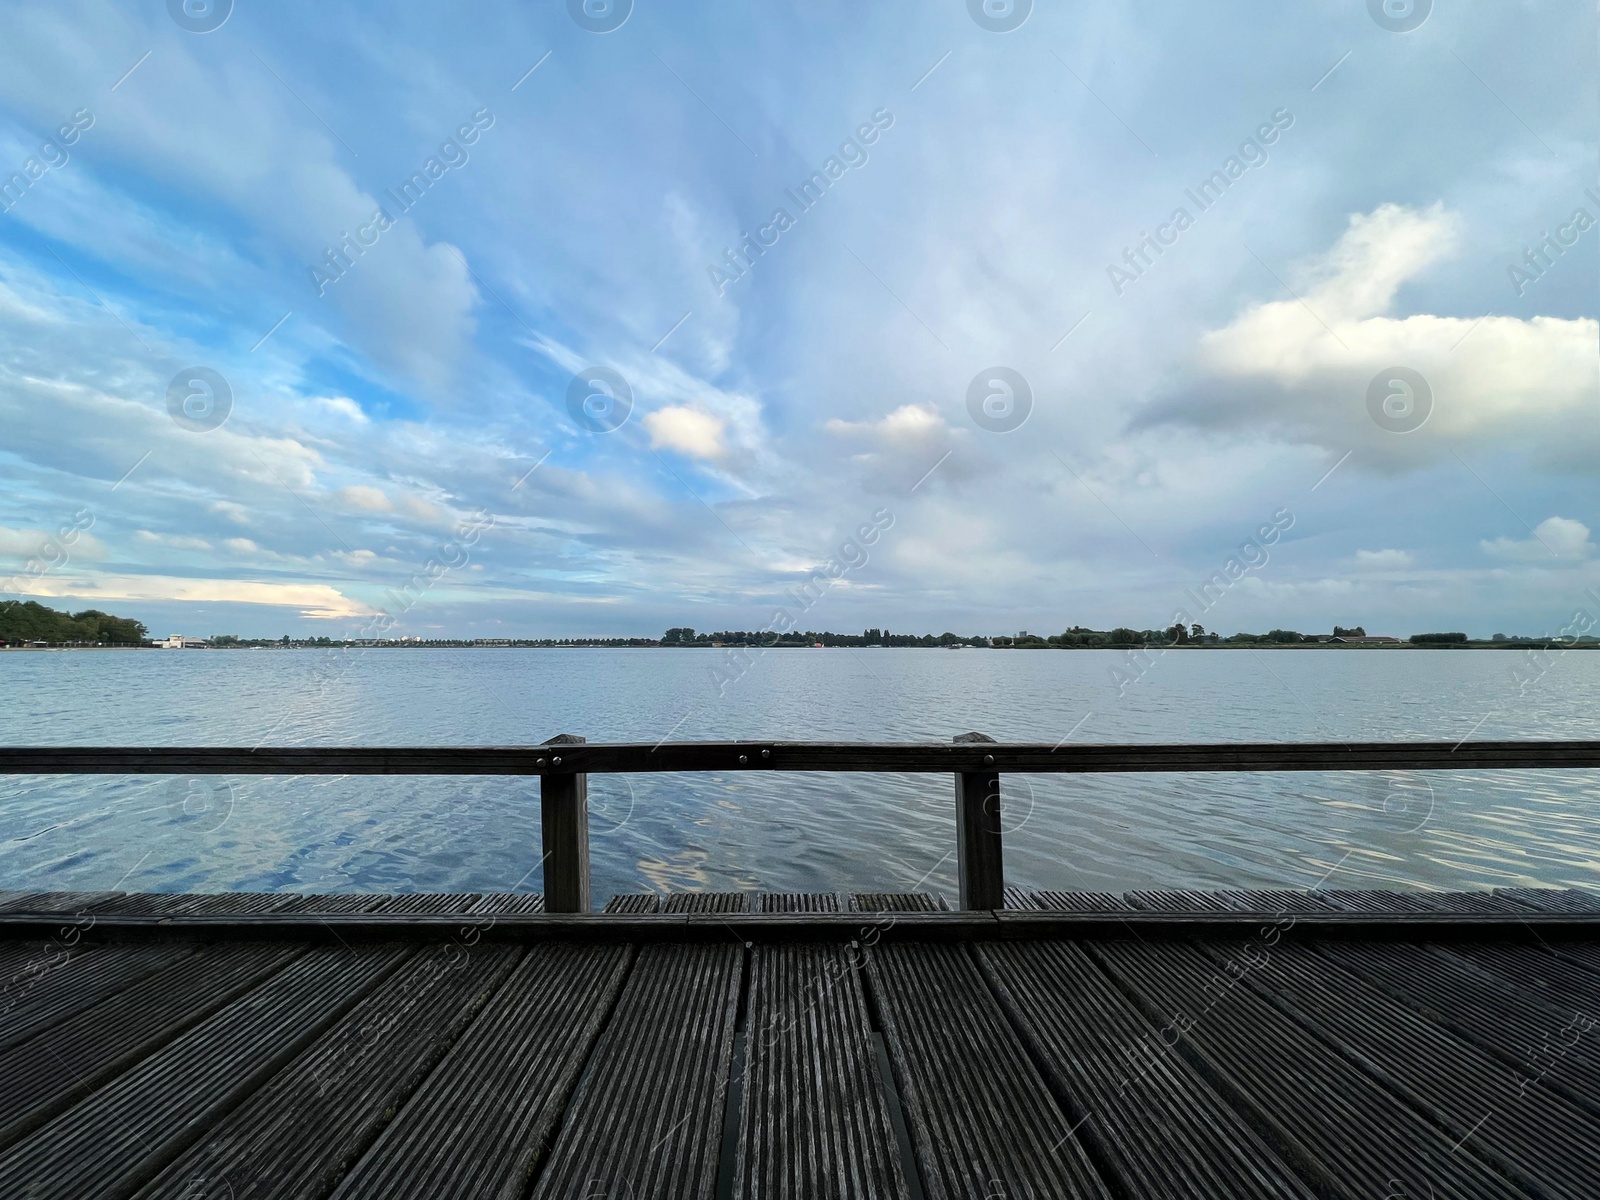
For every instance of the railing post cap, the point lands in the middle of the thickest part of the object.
(972, 737)
(564, 739)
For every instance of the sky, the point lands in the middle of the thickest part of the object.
(593, 318)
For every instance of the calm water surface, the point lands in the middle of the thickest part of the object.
(793, 832)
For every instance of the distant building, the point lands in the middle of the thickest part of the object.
(177, 641)
(1366, 640)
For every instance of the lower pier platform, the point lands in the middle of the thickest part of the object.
(1330, 1043)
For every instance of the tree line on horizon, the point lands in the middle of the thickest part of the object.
(29, 621)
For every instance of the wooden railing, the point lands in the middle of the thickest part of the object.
(564, 763)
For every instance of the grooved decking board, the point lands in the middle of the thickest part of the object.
(145, 903)
(1016, 897)
(110, 1143)
(423, 902)
(881, 902)
(1370, 900)
(297, 1134)
(58, 902)
(341, 902)
(1560, 983)
(1081, 902)
(642, 902)
(981, 1120)
(1275, 900)
(1573, 900)
(1176, 901)
(241, 903)
(59, 982)
(647, 1118)
(1497, 1015)
(19, 961)
(800, 902)
(815, 1120)
(1476, 902)
(172, 903)
(1163, 1131)
(510, 903)
(1585, 954)
(60, 1065)
(1320, 1111)
(1549, 1146)
(707, 902)
(476, 1127)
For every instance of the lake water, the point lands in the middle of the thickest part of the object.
(793, 832)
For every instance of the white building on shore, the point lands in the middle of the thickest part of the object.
(178, 641)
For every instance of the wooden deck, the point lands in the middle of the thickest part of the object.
(445, 1046)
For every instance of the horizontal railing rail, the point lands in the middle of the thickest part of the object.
(564, 763)
(894, 757)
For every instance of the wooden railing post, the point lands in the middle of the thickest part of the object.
(979, 861)
(564, 829)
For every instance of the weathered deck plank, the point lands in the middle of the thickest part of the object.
(1372, 900)
(1586, 954)
(1561, 982)
(776, 902)
(296, 1135)
(65, 1062)
(1144, 1112)
(1176, 900)
(240, 903)
(478, 1125)
(76, 903)
(1478, 1098)
(1084, 902)
(641, 902)
(647, 1119)
(981, 1120)
(508, 903)
(1276, 900)
(815, 1121)
(110, 1143)
(53, 982)
(1574, 900)
(706, 902)
(426, 902)
(887, 902)
(1342, 1129)
(338, 902)
(1494, 1013)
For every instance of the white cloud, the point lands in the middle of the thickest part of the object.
(311, 599)
(909, 427)
(1385, 560)
(1306, 363)
(688, 431)
(361, 498)
(1554, 538)
(344, 407)
(49, 545)
(241, 545)
(176, 541)
(229, 510)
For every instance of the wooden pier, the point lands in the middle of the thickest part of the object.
(1323, 1043)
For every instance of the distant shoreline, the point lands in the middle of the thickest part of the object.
(619, 644)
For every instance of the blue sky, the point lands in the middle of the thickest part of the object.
(987, 206)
